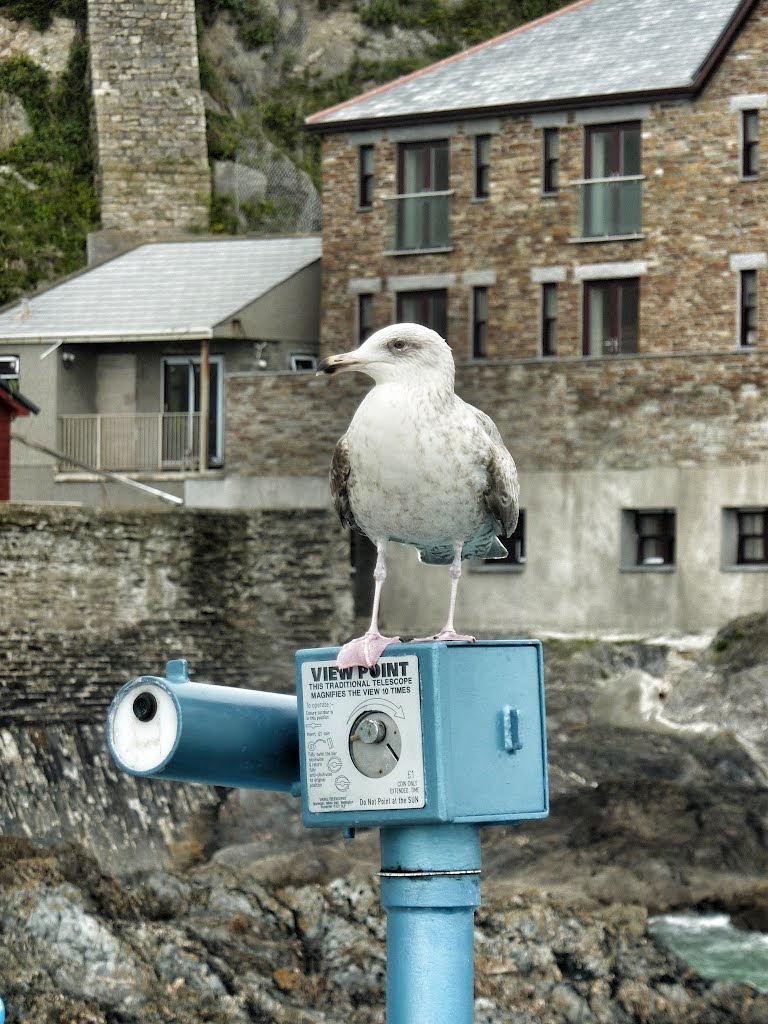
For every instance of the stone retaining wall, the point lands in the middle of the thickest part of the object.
(618, 413)
(89, 600)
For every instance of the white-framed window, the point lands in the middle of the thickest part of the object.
(10, 368)
(302, 362)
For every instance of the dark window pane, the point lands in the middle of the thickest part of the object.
(655, 538)
(427, 308)
(748, 311)
(551, 159)
(515, 545)
(750, 141)
(364, 317)
(365, 177)
(549, 319)
(482, 166)
(479, 322)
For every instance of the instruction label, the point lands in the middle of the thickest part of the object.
(335, 701)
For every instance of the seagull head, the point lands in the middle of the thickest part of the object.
(401, 353)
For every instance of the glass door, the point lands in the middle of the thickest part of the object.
(181, 412)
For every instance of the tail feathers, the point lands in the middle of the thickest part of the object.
(484, 547)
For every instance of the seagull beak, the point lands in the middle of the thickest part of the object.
(339, 363)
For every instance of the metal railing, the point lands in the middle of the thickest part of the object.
(420, 221)
(131, 442)
(610, 207)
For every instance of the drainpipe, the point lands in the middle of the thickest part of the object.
(205, 401)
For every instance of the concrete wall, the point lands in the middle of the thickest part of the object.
(573, 580)
(591, 438)
(89, 600)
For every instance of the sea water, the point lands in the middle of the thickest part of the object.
(710, 944)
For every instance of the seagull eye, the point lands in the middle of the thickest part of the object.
(398, 345)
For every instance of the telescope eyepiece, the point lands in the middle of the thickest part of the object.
(145, 706)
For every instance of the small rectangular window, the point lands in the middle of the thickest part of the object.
(752, 537)
(549, 319)
(479, 323)
(429, 308)
(515, 545)
(365, 178)
(648, 538)
(9, 371)
(482, 166)
(365, 325)
(750, 143)
(550, 161)
(748, 308)
(611, 317)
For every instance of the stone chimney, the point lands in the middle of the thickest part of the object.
(152, 161)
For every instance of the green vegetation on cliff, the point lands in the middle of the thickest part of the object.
(47, 198)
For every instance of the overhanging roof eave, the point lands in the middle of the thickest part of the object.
(106, 337)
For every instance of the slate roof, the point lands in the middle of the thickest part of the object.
(606, 49)
(160, 290)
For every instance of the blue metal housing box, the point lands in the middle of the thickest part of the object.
(435, 732)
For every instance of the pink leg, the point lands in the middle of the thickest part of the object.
(366, 650)
(448, 632)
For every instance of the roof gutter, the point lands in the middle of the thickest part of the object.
(502, 109)
(86, 337)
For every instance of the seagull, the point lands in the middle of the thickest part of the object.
(418, 466)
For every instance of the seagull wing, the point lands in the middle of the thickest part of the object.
(339, 482)
(503, 491)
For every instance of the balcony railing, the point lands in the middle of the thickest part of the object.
(610, 207)
(420, 221)
(131, 443)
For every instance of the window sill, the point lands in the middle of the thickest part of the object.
(482, 567)
(647, 568)
(606, 238)
(416, 252)
(72, 476)
(762, 567)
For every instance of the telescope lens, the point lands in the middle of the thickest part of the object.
(145, 706)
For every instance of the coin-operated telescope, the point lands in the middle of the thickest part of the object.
(430, 744)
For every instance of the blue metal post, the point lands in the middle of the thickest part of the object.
(430, 887)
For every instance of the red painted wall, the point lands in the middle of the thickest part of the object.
(5, 453)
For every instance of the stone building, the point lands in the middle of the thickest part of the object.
(580, 207)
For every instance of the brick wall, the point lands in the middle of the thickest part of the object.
(150, 123)
(631, 412)
(696, 214)
(91, 599)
